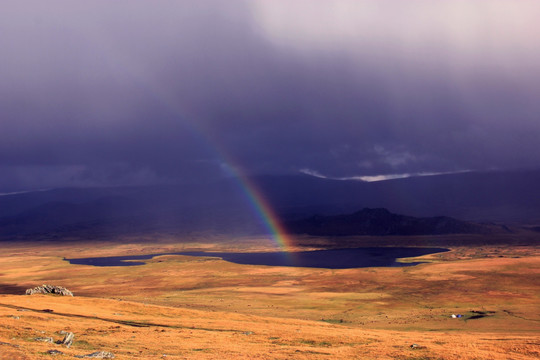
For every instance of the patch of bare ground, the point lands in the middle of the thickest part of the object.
(191, 307)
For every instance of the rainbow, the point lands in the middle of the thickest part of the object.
(254, 196)
(264, 210)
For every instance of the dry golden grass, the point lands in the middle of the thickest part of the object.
(189, 307)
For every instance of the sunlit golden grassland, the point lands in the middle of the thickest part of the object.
(201, 307)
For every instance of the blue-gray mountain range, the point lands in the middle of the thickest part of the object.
(222, 206)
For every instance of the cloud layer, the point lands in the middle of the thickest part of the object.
(100, 93)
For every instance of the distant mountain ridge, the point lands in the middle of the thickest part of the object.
(381, 222)
(222, 206)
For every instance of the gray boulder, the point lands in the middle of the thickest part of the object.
(68, 339)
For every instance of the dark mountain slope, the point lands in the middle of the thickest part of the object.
(381, 222)
(223, 205)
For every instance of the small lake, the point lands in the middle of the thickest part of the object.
(328, 259)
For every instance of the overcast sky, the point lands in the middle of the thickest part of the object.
(140, 92)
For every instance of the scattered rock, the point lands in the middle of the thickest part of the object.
(54, 352)
(49, 289)
(248, 332)
(14, 317)
(68, 339)
(23, 310)
(8, 344)
(44, 339)
(416, 346)
(97, 355)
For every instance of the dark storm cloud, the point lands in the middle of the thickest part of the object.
(139, 92)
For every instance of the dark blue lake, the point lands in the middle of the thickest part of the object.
(329, 259)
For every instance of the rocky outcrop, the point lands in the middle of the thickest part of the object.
(8, 344)
(54, 352)
(44, 339)
(49, 289)
(68, 339)
(97, 355)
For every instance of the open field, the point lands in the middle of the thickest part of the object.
(193, 307)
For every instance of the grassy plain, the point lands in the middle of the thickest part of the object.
(182, 307)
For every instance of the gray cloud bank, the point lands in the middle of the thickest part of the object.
(137, 92)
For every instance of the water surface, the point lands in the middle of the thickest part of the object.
(329, 259)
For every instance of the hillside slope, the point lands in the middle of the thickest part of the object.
(380, 222)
